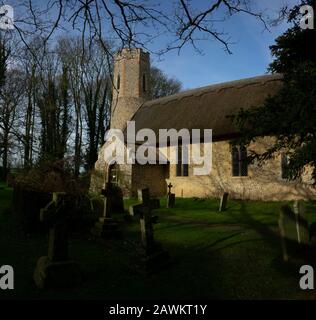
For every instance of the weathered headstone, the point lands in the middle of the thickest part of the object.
(294, 231)
(288, 231)
(171, 197)
(135, 209)
(144, 196)
(113, 198)
(301, 222)
(146, 230)
(223, 202)
(55, 269)
(145, 199)
(151, 256)
(106, 227)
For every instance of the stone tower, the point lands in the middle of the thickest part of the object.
(131, 85)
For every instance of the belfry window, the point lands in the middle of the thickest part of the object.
(182, 160)
(239, 161)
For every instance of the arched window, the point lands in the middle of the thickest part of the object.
(118, 82)
(235, 161)
(144, 83)
(239, 161)
(182, 159)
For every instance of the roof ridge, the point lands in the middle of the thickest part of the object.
(218, 87)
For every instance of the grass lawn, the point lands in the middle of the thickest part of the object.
(231, 255)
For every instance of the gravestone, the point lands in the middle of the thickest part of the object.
(113, 198)
(143, 195)
(151, 256)
(147, 234)
(294, 231)
(135, 209)
(106, 227)
(288, 231)
(56, 269)
(171, 197)
(223, 202)
(301, 222)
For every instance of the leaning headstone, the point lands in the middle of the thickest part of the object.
(56, 269)
(294, 232)
(288, 232)
(223, 202)
(301, 223)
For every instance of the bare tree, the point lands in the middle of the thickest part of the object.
(135, 23)
(90, 86)
(161, 85)
(11, 94)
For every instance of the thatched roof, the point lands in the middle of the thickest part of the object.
(207, 107)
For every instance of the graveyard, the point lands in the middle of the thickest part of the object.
(235, 253)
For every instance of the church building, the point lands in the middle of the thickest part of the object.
(201, 108)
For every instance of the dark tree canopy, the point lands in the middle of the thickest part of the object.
(290, 115)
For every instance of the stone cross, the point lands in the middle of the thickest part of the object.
(55, 215)
(223, 203)
(169, 187)
(171, 197)
(56, 270)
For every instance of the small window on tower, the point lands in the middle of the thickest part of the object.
(144, 83)
(118, 82)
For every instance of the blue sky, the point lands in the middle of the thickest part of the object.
(250, 51)
(251, 55)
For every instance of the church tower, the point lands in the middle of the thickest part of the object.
(131, 85)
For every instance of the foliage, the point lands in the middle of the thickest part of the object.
(290, 115)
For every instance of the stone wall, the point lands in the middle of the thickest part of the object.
(152, 177)
(262, 183)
